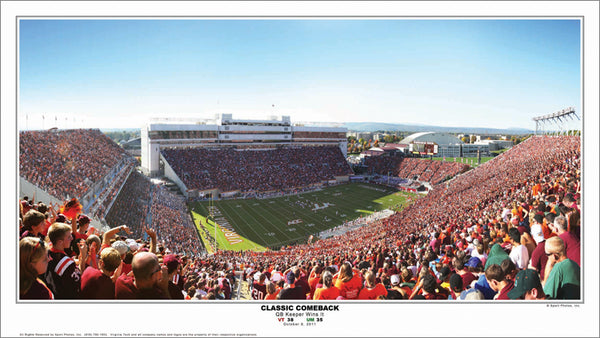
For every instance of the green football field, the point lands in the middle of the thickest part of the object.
(255, 224)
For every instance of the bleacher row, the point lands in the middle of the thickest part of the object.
(102, 202)
(66, 163)
(256, 170)
(423, 170)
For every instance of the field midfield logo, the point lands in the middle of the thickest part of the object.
(296, 221)
(324, 206)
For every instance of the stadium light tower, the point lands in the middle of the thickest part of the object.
(559, 118)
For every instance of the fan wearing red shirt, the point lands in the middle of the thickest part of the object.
(150, 280)
(80, 227)
(98, 283)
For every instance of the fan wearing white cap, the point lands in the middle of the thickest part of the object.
(121, 247)
(132, 244)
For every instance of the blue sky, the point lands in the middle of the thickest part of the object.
(473, 73)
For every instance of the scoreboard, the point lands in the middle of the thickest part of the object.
(423, 148)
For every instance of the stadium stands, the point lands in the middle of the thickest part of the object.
(172, 223)
(132, 204)
(423, 170)
(61, 161)
(409, 252)
(266, 170)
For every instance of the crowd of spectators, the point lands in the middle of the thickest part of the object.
(463, 241)
(256, 170)
(131, 205)
(423, 170)
(66, 163)
(63, 257)
(172, 222)
(383, 164)
(142, 204)
(447, 170)
(509, 229)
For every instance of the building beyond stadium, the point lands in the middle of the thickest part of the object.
(443, 144)
(225, 131)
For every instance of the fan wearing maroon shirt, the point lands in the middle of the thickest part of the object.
(80, 227)
(63, 276)
(172, 263)
(98, 283)
(466, 275)
(150, 280)
(291, 290)
(495, 277)
(430, 289)
(259, 289)
(33, 260)
(301, 279)
(572, 243)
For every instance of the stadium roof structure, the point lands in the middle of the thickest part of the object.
(438, 138)
(394, 146)
(387, 148)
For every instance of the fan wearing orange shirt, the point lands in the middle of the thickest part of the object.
(272, 291)
(349, 282)
(328, 291)
(372, 290)
(313, 280)
(536, 189)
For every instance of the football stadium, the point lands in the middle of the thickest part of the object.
(267, 209)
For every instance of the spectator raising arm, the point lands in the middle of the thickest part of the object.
(110, 234)
(152, 234)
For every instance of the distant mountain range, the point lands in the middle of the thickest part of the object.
(380, 126)
(104, 130)
(377, 126)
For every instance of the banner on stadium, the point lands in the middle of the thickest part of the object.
(230, 193)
